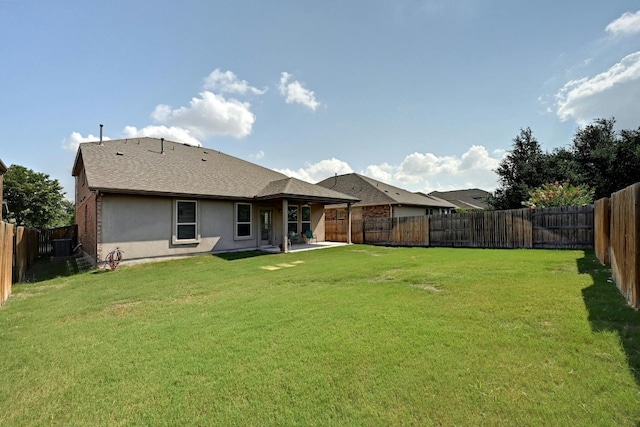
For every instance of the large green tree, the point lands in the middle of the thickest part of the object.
(35, 200)
(519, 172)
(600, 158)
(604, 159)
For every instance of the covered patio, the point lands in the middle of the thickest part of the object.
(293, 192)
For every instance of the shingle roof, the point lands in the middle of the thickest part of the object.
(297, 189)
(150, 166)
(472, 198)
(373, 192)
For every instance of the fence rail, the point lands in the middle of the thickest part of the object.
(550, 228)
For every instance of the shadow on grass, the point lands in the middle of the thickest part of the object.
(49, 268)
(609, 311)
(232, 256)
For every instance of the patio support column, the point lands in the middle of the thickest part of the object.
(285, 225)
(348, 223)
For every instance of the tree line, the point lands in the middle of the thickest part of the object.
(599, 159)
(35, 200)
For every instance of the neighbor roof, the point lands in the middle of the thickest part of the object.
(292, 188)
(372, 192)
(472, 198)
(151, 166)
(3, 168)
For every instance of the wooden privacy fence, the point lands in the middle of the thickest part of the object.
(618, 243)
(549, 228)
(18, 252)
(47, 238)
(6, 260)
(402, 231)
(25, 250)
(486, 229)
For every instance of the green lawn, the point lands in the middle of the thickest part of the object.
(356, 335)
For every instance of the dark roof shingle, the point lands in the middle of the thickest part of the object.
(373, 192)
(151, 166)
(472, 198)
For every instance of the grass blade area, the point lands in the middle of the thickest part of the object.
(356, 335)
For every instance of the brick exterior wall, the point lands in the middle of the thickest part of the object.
(86, 216)
(358, 213)
(379, 211)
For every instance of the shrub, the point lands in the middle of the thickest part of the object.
(556, 194)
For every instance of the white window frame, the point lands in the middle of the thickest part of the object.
(236, 223)
(175, 239)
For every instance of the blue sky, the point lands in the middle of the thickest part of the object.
(426, 95)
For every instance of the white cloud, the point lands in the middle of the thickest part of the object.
(628, 23)
(615, 92)
(172, 133)
(475, 168)
(259, 155)
(209, 115)
(295, 92)
(316, 172)
(227, 82)
(383, 172)
(419, 172)
(75, 139)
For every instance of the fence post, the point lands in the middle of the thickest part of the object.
(602, 229)
(21, 254)
(6, 260)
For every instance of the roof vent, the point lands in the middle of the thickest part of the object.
(119, 153)
(101, 134)
(161, 145)
(204, 160)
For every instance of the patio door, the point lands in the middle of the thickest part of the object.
(266, 227)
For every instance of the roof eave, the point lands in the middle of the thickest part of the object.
(318, 199)
(130, 192)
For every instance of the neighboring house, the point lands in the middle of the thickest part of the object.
(3, 204)
(155, 198)
(470, 199)
(380, 200)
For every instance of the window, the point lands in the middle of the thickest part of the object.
(243, 220)
(292, 217)
(186, 221)
(306, 218)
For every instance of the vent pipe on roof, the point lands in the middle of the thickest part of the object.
(101, 134)
(161, 145)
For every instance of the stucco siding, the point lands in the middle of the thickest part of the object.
(317, 222)
(402, 211)
(143, 227)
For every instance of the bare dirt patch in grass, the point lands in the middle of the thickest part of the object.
(430, 288)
